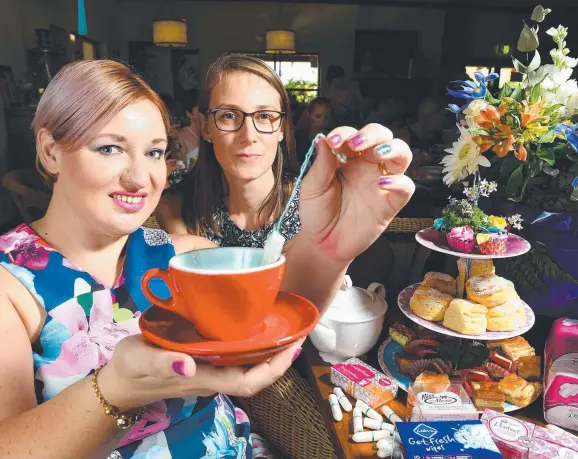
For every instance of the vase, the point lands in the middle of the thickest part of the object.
(557, 234)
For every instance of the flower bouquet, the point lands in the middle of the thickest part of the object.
(464, 225)
(529, 127)
(524, 135)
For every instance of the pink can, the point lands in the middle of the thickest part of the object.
(561, 374)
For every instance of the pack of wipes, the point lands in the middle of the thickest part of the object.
(444, 440)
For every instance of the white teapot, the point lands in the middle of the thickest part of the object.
(352, 324)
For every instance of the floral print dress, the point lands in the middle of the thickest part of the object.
(85, 320)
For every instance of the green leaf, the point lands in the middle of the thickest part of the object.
(535, 95)
(509, 163)
(518, 94)
(547, 155)
(491, 99)
(549, 137)
(553, 108)
(515, 182)
(478, 131)
(505, 91)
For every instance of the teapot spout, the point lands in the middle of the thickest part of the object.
(324, 338)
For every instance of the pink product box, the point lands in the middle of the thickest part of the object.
(561, 374)
(518, 439)
(364, 382)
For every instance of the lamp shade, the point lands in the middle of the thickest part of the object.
(170, 33)
(281, 41)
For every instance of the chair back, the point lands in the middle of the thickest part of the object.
(30, 194)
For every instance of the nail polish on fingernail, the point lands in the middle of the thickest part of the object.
(383, 150)
(334, 140)
(357, 140)
(296, 354)
(385, 180)
(179, 367)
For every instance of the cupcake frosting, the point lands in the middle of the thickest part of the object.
(464, 233)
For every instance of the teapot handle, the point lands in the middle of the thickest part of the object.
(378, 289)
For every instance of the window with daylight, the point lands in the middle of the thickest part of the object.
(298, 72)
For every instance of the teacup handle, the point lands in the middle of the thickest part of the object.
(164, 275)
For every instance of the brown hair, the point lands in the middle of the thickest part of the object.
(304, 121)
(83, 97)
(205, 186)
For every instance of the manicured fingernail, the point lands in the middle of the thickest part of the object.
(383, 150)
(356, 141)
(334, 140)
(296, 354)
(179, 367)
(385, 180)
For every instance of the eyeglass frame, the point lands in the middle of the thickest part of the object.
(213, 111)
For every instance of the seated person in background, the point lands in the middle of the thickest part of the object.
(390, 113)
(314, 120)
(71, 282)
(188, 137)
(345, 97)
(432, 119)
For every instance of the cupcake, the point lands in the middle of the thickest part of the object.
(439, 226)
(492, 243)
(492, 240)
(461, 239)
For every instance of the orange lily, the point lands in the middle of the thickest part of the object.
(502, 148)
(485, 142)
(488, 116)
(503, 108)
(531, 114)
(521, 153)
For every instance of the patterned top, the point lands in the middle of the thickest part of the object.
(85, 320)
(233, 236)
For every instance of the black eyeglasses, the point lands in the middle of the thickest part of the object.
(232, 119)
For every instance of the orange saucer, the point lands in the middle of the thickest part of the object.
(291, 317)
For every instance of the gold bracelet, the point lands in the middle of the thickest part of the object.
(123, 421)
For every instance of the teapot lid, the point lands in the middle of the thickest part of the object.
(354, 304)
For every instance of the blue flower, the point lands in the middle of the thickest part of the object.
(471, 89)
(575, 182)
(456, 109)
(571, 134)
(439, 224)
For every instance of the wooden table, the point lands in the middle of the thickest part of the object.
(318, 373)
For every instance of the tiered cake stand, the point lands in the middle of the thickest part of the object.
(429, 238)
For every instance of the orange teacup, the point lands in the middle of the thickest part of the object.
(224, 292)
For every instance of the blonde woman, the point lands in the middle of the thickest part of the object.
(70, 283)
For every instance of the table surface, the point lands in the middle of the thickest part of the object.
(318, 373)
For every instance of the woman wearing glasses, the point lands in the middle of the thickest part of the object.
(247, 162)
(246, 168)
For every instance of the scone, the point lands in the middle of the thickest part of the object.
(518, 391)
(440, 281)
(477, 268)
(488, 395)
(466, 317)
(428, 381)
(490, 290)
(430, 304)
(506, 317)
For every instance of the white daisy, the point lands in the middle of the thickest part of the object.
(464, 158)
